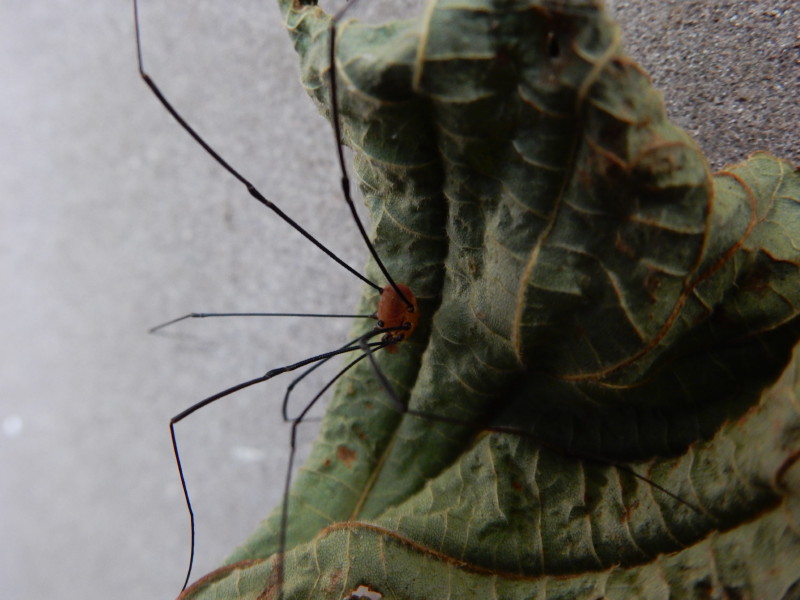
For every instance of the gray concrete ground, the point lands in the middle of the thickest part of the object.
(112, 221)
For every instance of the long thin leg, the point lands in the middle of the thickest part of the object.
(349, 347)
(601, 460)
(224, 164)
(433, 417)
(197, 315)
(399, 404)
(337, 132)
(362, 342)
(403, 408)
(290, 388)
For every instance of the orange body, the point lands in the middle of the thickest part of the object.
(394, 312)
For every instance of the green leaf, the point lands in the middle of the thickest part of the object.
(594, 304)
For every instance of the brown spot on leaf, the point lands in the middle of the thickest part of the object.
(651, 284)
(346, 455)
(333, 582)
(585, 178)
(626, 513)
(757, 280)
(703, 589)
(624, 248)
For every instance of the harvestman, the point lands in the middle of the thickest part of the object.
(397, 313)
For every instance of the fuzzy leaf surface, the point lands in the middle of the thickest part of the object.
(594, 304)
